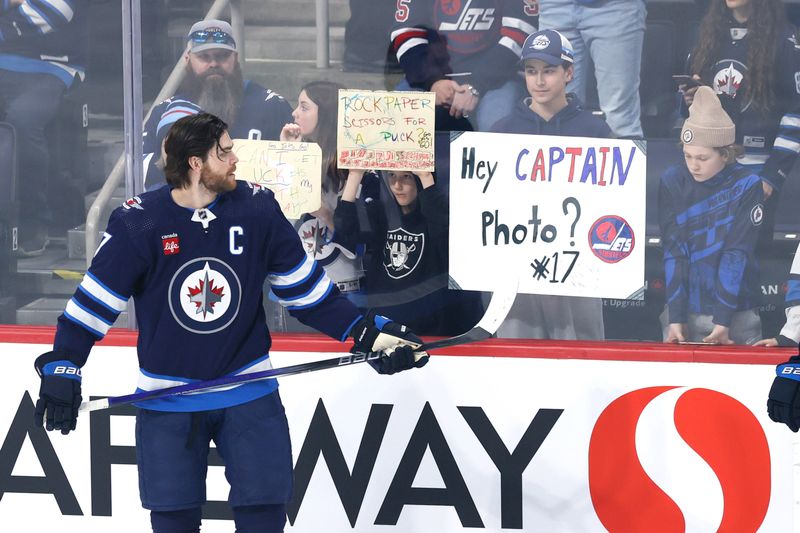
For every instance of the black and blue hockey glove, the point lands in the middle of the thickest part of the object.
(59, 393)
(783, 405)
(396, 343)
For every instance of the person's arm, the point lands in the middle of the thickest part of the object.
(790, 332)
(101, 296)
(676, 255)
(410, 40)
(737, 250)
(435, 208)
(25, 19)
(301, 285)
(496, 65)
(786, 148)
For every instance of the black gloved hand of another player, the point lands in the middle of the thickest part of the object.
(376, 333)
(59, 392)
(783, 405)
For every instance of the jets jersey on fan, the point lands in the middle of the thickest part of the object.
(261, 116)
(709, 231)
(196, 278)
(481, 39)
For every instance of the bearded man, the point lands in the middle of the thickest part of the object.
(214, 84)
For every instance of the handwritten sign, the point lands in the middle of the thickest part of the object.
(568, 212)
(385, 130)
(292, 171)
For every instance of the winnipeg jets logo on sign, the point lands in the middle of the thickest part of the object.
(402, 252)
(204, 295)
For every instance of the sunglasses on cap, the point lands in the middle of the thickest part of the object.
(217, 36)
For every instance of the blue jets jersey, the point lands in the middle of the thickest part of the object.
(709, 231)
(196, 278)
(261, 116)
(479, 39)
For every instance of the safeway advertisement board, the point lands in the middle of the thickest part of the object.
(466, 443)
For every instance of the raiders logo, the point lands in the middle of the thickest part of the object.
(402, 252)
(204, 295)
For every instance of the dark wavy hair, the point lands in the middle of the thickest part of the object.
(192, 136)
(765, 28)
(326, 95)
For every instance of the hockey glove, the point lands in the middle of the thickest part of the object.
(395, 342)
(783, 405)
(59, 393)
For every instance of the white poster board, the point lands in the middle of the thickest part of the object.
(291, 170)
(386, 130)
(567, 213)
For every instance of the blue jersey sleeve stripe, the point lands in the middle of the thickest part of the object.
(90, 315)
(122, 299)
(59, 9)
(315, 296)
(35, 19)
(82, 324)
(322, 281)
(97, 300)
(295, 276)
(301, 287)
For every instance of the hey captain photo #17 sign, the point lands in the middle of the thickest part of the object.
(568, 212)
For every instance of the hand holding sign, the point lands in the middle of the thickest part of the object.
(292, 171)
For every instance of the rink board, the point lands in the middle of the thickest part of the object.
(467, 443)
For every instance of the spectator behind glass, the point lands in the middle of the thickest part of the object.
(710, 210)
(745, 51)
(315, 120)
(547, 60)
(41, 53)
(407, 253)
(790, 332)
(214, 84)
(610, 34)
(465, 52)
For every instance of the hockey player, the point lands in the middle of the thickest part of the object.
(194, 256)
(710, 211)
(214, 84)
(464, 51)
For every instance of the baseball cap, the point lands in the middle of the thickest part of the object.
(549, 46)
(210, 34)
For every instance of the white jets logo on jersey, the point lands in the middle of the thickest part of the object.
(402, 252)
(133, 203)
(472, 18)
(256, 188)
(204, 295)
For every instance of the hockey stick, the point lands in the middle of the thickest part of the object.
(496, 312)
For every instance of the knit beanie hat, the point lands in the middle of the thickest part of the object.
(708, 124)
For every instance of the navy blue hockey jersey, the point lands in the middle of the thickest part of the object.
(709, 231)
(196, 277)
(262, 115)
(481, 39)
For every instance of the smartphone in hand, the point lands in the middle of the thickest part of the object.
(688, 81)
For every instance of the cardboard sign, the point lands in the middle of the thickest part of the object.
(385, 130)
(290, 170)
(566, 212)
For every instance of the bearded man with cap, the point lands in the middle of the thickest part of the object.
(214, 84)
(710, 212)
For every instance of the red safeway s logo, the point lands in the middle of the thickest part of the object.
(717, 427)
(171, 245)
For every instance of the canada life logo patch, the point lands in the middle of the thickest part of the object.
(672, 459)
(204, 295)
(611, 238)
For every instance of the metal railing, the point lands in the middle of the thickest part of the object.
(170, 86)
